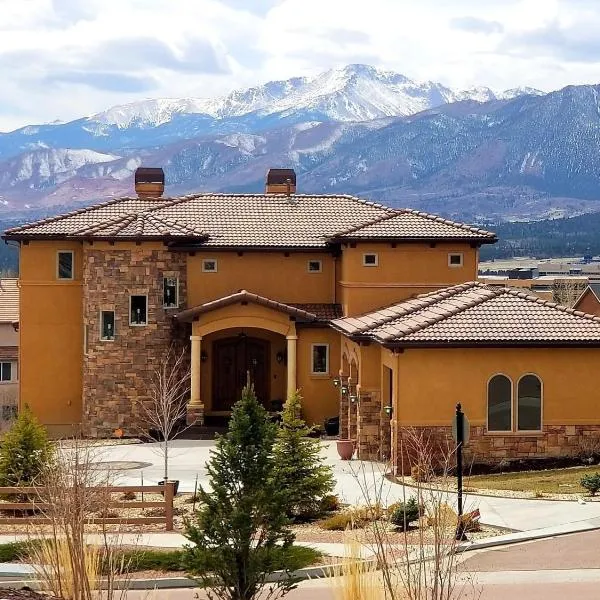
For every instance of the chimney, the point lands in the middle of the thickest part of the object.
(281, 181)
(149, 182)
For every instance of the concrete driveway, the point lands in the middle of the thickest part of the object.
(188, 460)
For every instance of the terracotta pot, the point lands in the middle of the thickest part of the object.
(345, 449)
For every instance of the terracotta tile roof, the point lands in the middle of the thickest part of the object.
(323, 312)
(9, 300)
(248, 220)
(473, 313)
(303, 312)
(413, 224)
(9, 353)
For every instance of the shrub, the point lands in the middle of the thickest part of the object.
(591, 483)
(329, 503)
(340, 521)
(421, 473)
(26, 452)
(129, 496)
(405, 513)
(299, 466)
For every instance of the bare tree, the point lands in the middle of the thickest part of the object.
(567, 291)
(166, 409)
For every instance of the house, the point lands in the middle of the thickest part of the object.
(9, 347)
(523, 368)
(589, 300)
(288, 289)
(246, 282)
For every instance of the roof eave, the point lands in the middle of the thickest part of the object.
(412, 240)
(490, 344)
(167, 239)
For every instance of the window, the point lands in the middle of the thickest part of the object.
(209, 265)
(370, 260)
(170, 292)
(65, 264)
(107, 325)
(529, 403)
(5, 371)
(138, 313)
(320, 359)
(314, 266)
(499, 403)
(455, 259)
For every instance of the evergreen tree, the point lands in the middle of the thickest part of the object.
(25, 452)
(241, 528)
(300, 467)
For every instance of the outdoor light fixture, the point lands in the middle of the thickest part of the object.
(279, 357)
(388, 410)
(353, 398)
(344, 389)
(203, 356)
(336, 382)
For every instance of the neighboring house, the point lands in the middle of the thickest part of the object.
(287, 289)
(9, 347)
(589, 300)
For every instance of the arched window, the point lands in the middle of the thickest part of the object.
(529, 403)
(499, 403)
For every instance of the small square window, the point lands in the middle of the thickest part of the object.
(65, 264)
(170, 292)
(455, 260)
(209, 265)
(138, 314)
(5, 371)
(320, 359)
(107, 325)
(315, 266)
(370, 260)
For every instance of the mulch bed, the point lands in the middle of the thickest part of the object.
(23, 594)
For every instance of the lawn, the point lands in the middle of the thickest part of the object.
(555, 481)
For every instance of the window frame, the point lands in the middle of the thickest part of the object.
(213, 260)
(364, 259)
(462, 260)
(58, 253)
(487, 406)
(312, 359)
(10, 368)
(516, 411)
(131, 296)
(176, 305)
(315, 260)
(105, 339)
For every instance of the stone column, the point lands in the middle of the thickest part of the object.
(368, 424)
(292, 340)
(195, 409)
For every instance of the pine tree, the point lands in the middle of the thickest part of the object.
(300, 467)
(241, 528)
(25, 452)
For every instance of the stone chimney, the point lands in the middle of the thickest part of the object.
(149, 182)
(281, 181)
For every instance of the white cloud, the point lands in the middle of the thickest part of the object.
(67, 58)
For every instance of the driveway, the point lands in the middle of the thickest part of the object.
(188, 460)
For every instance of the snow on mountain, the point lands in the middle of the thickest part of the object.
(519, 91)
(353, 93)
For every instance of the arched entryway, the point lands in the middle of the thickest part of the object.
(238, 360)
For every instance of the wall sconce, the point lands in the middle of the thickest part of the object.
(388, 410)
(344, 389)
(203, 356)
(280, 357)
(353, 398)
(336, 382)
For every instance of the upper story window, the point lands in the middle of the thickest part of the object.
(138, 310)
(455, 259)
(107, 325)
(320, 359)
(64, 265)
(170, 292)
(315, 266)
(370, 260)
(209, 265)
(5, 371)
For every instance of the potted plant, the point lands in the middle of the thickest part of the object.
(346, 449)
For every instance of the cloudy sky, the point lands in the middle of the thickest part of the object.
(61, 59)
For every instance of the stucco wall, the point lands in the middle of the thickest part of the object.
(50, 334)
(402, 272)
(589, 304)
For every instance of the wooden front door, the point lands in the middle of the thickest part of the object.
(233, 359)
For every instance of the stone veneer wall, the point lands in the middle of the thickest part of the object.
(553, 441)
(368, 423)
(116, 374)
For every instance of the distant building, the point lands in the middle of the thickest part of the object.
(589, 300)
(9, 347)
